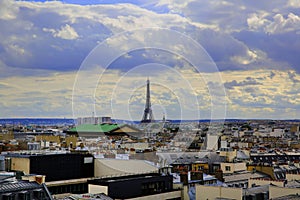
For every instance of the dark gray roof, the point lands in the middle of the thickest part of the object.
(242, 155)
(189, 158)
(9, 186)
(290, 197)
(3, 177)
(100, 196)
(243, 176)
(257, 190)
(293, 184)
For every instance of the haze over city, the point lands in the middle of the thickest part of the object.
(254, 46)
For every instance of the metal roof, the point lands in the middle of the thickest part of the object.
(112, 167)
(18, 186)
(243, 176)
(103, 128)
(242, 155)
(257, 190)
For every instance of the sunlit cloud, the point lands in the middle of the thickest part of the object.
(254, 45)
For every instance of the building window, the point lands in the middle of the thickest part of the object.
(24, 196)
(227, 168)
(8, 196)
(38, 194)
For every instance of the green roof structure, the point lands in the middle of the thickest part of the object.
(91, 128)
(95, 130)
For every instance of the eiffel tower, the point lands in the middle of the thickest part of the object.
(148, 116)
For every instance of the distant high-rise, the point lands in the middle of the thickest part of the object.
(148, 115)
(93, 120)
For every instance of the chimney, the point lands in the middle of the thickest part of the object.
(219, 175)
(40, 179)
(184, 178)
(196, 175)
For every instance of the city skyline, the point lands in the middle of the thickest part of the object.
(253, 45)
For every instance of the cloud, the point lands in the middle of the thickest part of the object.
(280, 24)
(248, 81)
(252, 92)
(272, 74)
(292, 77)
(8, 10)
(52, 96)
(257, 21)
(262, 95)
(255, 46)
(269, 28)
(66, 32)
(278, 51)
(293, 4)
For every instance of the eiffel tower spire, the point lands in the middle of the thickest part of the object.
(148, 116)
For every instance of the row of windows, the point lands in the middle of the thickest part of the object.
(74, 188)
(155, 187)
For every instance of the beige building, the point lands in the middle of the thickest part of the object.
(59, 140)
(229, 153)
(214, 192)
(291, 177)
(136, 145)
(241, 179)
(48, 138)
(267, 191)
(262, 181)
(229, 168)
(275, 192)
(168, 195)
(20, 164)
(7, 136)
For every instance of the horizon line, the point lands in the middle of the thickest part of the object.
(67, 118)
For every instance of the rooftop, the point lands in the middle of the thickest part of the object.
(27, 154)
(244, 175)
(290, 197)
(123, 178)
(103, 128)
(9, 186)
(111, 167)
(14, 186)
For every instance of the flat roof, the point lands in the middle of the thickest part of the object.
(28, 154)
(242, 176)
(127, 177)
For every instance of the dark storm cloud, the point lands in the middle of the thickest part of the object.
(281, 48)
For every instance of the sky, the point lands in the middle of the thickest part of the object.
(205, 58)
